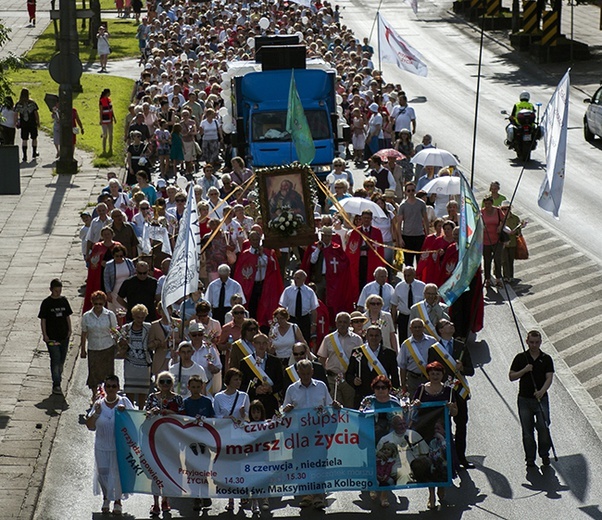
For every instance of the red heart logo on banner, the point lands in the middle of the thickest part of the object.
(170, 420)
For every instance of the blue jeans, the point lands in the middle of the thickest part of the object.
(58, 354)
(530, 413)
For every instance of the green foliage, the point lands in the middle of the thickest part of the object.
(7, 64)
(39, 83)
(122, 39)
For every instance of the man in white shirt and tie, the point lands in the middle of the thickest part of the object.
(380, 287)
(220, 291)
(406, 293)
(301, 303)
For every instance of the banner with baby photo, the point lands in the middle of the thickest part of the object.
(303, 452)
(412, 446)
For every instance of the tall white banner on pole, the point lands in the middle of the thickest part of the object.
(554, 123)
(394, 49)
(183, 275)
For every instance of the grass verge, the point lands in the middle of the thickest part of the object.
(123, 42)
(39, 83)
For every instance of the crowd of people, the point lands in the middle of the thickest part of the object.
(333, 315)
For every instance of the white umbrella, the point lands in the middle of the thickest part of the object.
(445, 185)
(435, 157)
(355, 206)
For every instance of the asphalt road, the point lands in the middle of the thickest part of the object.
(499, 487)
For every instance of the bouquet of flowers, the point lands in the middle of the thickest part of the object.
(286, 223)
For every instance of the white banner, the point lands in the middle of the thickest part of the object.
(183, 276)
(554, 123)
(393, 48)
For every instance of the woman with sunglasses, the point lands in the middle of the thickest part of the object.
(380, 399)
(101, 419)
(96, 326)
(383, 319)
(116, 272)
(163, 402)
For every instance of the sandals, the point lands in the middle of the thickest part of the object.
(106, 509)
(165, 507)
(306, 501)
(117, 509)
(154, 511)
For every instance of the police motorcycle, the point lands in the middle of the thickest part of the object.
(523, 131)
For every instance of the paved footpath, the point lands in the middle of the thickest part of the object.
(39, 236)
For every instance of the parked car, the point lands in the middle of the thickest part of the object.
(592, 120)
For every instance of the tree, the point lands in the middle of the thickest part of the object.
(10, 62)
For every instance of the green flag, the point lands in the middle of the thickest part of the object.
(297, 126)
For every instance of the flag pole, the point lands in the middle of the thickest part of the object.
(190, 194)
(477, 95)
(372, 28)
(378, 37)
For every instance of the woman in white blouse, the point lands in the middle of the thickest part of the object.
(96, 328)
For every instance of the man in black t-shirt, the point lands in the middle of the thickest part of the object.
(54, 314)
(535, 371)
(140, 288)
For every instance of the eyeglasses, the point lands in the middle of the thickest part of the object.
(381, 387)
(142, 273)
(111, 386)
(298, 354)
(165, 381)
(180, 200)
(238, 312)
(410, 191)
(375, 303)
(195, 334)
(369, 185)
(98, 303)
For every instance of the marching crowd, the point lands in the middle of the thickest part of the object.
(268, 330)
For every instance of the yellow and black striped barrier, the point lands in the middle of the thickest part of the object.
(551, 28)
(493, 7)
(530, 16)
(474, 4)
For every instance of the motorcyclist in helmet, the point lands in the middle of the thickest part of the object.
(523, 104)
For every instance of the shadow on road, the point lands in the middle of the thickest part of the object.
(53, 404)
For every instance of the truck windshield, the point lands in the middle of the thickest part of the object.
(271, 126)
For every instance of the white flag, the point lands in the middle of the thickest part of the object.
(183, 275)
(554, 123)
(393, 49)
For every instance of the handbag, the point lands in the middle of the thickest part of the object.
(121, 350)
(522, 252)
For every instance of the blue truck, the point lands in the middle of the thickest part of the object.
(259, 107)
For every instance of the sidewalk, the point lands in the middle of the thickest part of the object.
(39, 233)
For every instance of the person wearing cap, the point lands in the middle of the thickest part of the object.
(55, 321)
(375, 133)
(183, 367)
(220, 291)
(512, 227)
(404, 116)
(206, 355)
(301, 303)
(358, 320)
(327, 266)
